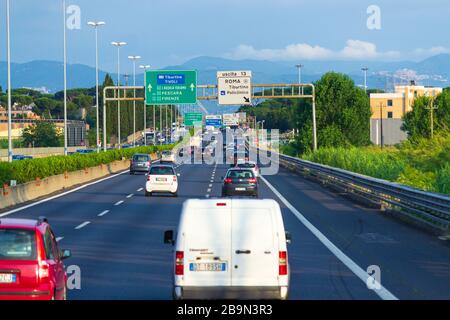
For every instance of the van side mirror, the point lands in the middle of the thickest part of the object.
(288, 237)
(168, 237)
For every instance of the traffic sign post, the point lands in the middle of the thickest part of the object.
(234, 87)
(170, 87)
(193, 119)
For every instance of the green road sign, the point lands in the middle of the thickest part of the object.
(193, 119)
(170, 87)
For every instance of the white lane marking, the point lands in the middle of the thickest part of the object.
(209, 190)
(118, 203)
(210, 185)
(103, 213)
(383, 293)
(207, 196)
(211, 181)
(59, 239)
(84, 224)
(60, 195)
(130, 196)
(140, 189)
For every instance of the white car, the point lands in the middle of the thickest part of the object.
(230, 248)
(162, 179)
(168, 156)
(250, 165)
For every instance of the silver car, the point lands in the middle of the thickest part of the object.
(140, 163)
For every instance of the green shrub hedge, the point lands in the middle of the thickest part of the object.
(30, 170)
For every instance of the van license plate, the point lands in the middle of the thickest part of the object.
(212, 267)
(7, 278)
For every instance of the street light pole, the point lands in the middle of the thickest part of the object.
(145, 67)
(431, 107)
(95, 25)
(365, 69)
(65, 79)
(118, 45)
(8, 23)
(134, 59)
(299, 67)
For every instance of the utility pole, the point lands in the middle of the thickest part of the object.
(118, 45)
(134, 59)
(95, 25)
(145, 67)
(65, 79)
(299, 67)
(8, 23)
(431, 107)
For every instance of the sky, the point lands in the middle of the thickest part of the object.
(170, 32)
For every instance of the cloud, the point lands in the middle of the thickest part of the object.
(353, 50)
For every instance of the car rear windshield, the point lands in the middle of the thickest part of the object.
(240, 174)
(162, 171)
(141, 158)
(167, 153)
(247, 165)
(17, 244)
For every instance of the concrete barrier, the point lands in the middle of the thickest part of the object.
(12, 196)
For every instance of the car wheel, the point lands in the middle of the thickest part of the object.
(131, 172)
(175, 194)
(148, 194)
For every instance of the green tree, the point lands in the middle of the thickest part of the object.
(417, 122)
(42, 134)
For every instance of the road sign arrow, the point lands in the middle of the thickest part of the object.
(150, 88)
(247, 100)
(192, 87)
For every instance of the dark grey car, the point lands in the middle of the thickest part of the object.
(240, 182)
(140, 163)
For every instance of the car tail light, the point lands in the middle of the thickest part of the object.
(149, 177)
(174, 178)
(252, 180)
(179, 263)
(43, 270)
(148, 163)
(228, 181)
(283, 263)
(221, 204)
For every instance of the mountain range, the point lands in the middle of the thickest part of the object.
(434, 71)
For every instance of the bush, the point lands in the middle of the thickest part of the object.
(29, 170)
(419, 163)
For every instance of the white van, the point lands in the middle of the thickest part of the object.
(230, 249)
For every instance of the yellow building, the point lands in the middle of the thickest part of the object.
(395, 105)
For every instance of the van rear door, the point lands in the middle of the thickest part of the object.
(254, 244)
(207, 243)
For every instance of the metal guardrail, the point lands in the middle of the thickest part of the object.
(430, 208)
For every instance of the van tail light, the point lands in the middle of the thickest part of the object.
(179, 263)
(252, 180)
(174, 178)
(43, 271)
(228, 181)
(149, 177)
(148, 163)
(283, 263)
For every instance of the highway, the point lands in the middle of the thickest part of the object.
(116, 238)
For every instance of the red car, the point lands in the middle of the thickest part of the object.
(31, 264)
